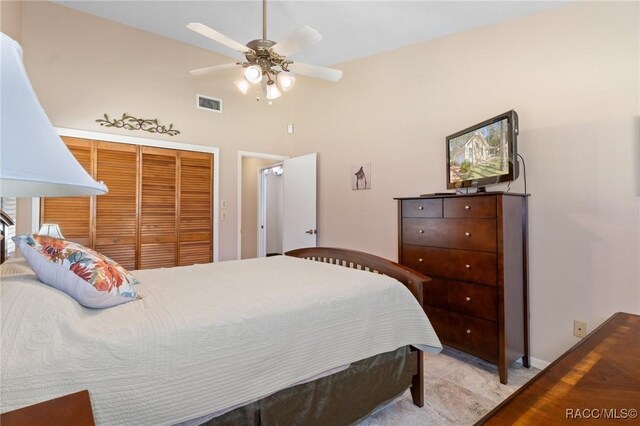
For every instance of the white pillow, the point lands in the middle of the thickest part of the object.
(93, 280)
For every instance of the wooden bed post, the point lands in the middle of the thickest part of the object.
(417, 381)
(413, 280)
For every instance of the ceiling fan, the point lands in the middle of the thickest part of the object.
(266, 60)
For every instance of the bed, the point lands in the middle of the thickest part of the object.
(224, 343)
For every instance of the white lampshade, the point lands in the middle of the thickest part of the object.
(285, 81)
(253, 74)
(34, 161)
(272, 91)
(51, 229)
(243, 85)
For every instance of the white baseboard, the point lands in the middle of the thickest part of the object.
(540, 364)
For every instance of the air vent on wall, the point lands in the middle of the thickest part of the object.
(208, 103)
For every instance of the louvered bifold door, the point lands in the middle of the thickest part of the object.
(158, 204)
(196, 208)
(73, 214)
(116, 217)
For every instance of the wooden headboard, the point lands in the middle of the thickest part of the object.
(413, 280)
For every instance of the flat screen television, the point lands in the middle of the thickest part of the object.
(484, 154)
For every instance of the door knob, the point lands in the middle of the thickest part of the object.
(311, 232)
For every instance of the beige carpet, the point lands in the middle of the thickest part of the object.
(459, 390)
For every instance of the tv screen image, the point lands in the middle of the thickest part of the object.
(480, 153)
(483, 154)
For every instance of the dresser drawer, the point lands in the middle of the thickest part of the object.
(476, 336)
(475, 300)
(427, 207)
(467, 234)
(470, 207)
(463, 265)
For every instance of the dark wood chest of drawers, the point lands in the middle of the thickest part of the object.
(474, 248)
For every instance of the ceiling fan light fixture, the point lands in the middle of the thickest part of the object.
(285, 81)
(253, 74)
(266, 61)
(272, 91)
(243, 85)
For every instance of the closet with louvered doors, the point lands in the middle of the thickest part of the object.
(73, 214)
(158, 212)
(116, 212)
(196, 215)
(158, 208)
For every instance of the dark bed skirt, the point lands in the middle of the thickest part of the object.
(339, 399)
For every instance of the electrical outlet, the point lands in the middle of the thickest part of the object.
(579, 328)
(223, 215)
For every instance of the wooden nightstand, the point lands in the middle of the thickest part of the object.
(74, 409)
(595, 382)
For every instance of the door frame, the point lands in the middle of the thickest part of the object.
(241, 155)
(131, 140)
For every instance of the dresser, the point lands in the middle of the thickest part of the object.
(474, 249)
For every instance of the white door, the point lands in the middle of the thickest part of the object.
(299, 200)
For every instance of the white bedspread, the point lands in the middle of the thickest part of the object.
(203, 337)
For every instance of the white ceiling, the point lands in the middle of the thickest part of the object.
(350, 29)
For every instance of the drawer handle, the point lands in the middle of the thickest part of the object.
(467, 234)
(421, 260)
(468, 331)
(467, 207)
(420, 208)
(468, 299)
(421, 231)
(467, 266)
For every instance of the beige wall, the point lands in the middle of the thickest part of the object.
(249, 211)
(82, 67)
(572, 74)
(11, 19)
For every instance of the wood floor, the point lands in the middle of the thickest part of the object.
(459, 390)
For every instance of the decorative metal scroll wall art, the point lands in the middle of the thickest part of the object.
(129, 122)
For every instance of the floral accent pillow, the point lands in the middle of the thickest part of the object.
(92, 279)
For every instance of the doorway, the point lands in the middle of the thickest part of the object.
(249, 166)
(297, 185)
(287, 207)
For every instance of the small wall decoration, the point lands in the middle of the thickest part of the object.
(129, 122)
(361, 176)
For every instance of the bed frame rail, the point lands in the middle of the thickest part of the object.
(413, 280)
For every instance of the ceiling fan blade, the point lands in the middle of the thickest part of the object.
(219, 37)
(207, 70)
(299, 39)
(315, 71)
